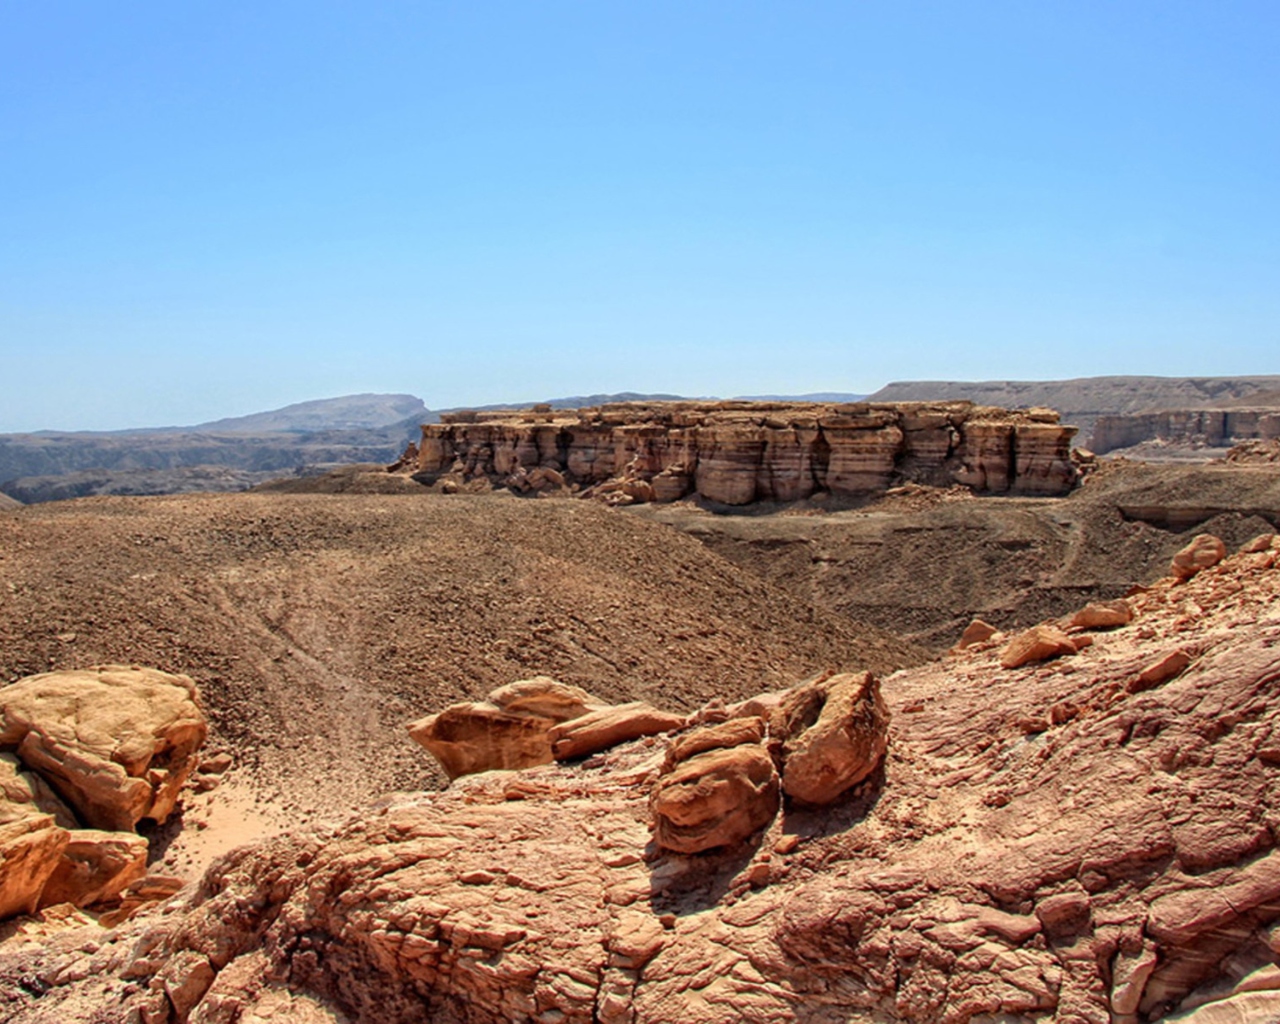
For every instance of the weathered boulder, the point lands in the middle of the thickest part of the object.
(544, 697)
(479, 737)
(716, 796)
(1039, 643)
(976, 632)
(117, 743)
(31, 841)
(608, 726)
(835, 732)
(1164, 668)
(1262, 542)
(731, 733)
(1203, 552)
(509, 730)
(1102, 615)
(96, 867)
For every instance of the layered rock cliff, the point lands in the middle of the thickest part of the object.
(736, 453)
(1211, 427)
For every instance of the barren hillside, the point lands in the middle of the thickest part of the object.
(318, 626)
(923, 562)
(1089, 837)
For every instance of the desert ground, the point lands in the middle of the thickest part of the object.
(320, 618)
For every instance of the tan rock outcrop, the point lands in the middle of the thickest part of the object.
(607, 727)
(1039, 643)
(735, 453)
(835, 732)
(1204, 552)
(96, 867)
(1102, 615)
(31, 841)
(719, 787)
(116, 743)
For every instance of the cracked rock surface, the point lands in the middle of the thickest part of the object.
(1046, 842)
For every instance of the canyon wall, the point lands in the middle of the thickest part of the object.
(1217, 428)
(736, 453)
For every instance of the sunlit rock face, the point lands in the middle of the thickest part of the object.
(736, 453)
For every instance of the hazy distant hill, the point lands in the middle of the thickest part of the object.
(571, 402)
(1084, 399)
(812, 396)
(350, 412)
(354, 428)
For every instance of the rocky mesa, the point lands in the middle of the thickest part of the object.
(738, 452)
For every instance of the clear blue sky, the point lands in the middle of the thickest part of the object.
(213, 208)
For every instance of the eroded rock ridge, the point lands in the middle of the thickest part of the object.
(736, 453)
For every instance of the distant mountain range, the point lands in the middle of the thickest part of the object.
(236, 452)
(1082, 400)
(350, 412)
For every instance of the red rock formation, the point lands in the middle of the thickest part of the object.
(739, 452)
(1049, 843)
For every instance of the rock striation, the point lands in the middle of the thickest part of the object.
(735, 453)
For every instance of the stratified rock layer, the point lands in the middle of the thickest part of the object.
(1048, 843)
(736, 453)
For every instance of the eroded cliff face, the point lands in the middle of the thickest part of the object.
(1211, 427)
(736, 453)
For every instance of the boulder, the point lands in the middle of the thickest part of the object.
(116, 743)
(544, 697)
(976, 632)
(1164, 668)
(508, 730)
(96, 867)
(732, 733)
(1202, 553)
(715, 798)
(835, 732)
(480, 737)
(31, 841)
(1039, 643)
(1102, 615)
(608, 726)
(1262, 542)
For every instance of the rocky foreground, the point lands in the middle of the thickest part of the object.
(1076, 824)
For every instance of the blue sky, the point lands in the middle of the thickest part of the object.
(210, 209)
